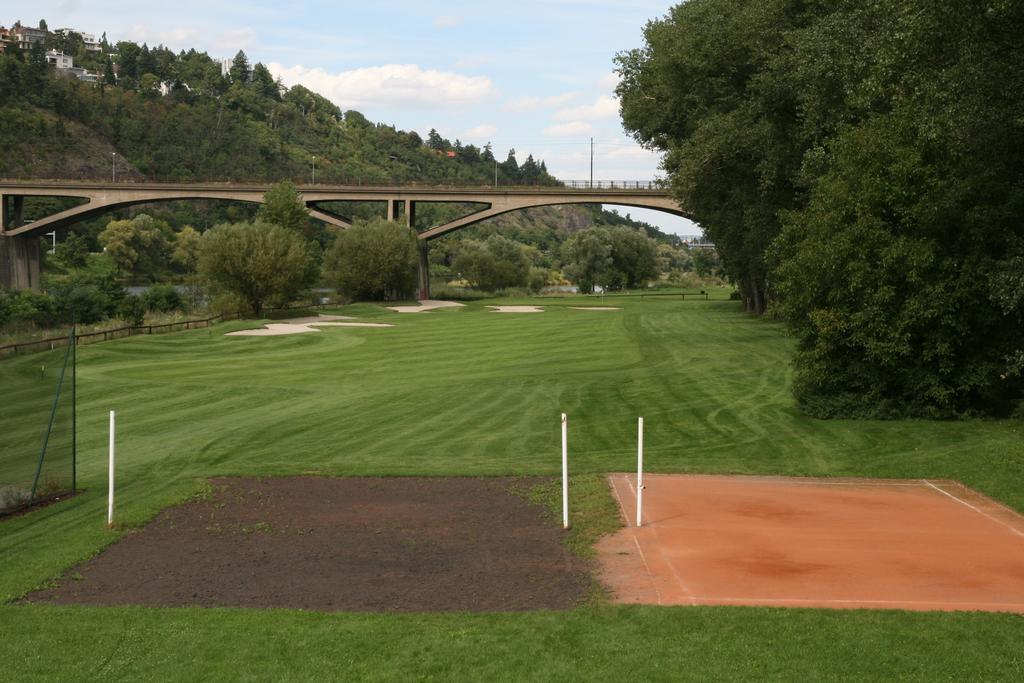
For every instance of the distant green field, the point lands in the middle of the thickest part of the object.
(470, 392)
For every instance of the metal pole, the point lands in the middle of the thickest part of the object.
(74, 407)
(639, 470)
(314, 170)
(110, 475)
(495, 171)
(565, 474)
(591, 163)
(113, 167)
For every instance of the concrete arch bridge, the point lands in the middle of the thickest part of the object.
(19, 248)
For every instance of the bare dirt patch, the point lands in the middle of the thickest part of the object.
(805, 542)
(358, 544)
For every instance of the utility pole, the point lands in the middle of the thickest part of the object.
(314, 170)
(113, 167)
(591, 163)
(495, 171)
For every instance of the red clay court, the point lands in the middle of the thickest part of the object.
(795, 542)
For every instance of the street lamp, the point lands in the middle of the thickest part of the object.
(314, 170)
(113, 167)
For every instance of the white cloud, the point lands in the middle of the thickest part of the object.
(226, 43)
(473, 61)
(447, 21)
(237, 39)
(521, 105)
(483, 131)
(530, 103)
(603, 108)
(571, 129)
(609, 81)
(390, 84)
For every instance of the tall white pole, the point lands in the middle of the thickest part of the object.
(639, 469)
(110, 475)
(565, 474)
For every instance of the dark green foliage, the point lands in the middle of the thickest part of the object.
(27, 306)
(497, 263)
(132, 310)
(86, 295)
(244, 127)
(259, 263)
(373, 260)
(611, 257)
(283, 205)
(162, 299)
(73, 251)
(866, 156)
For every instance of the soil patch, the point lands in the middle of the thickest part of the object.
(804, 542)
(358, 544)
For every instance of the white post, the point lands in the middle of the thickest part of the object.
(110, 475)
(565, 475)
(639, 469)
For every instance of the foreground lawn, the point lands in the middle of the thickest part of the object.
(469, 392)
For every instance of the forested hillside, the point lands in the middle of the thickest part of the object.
(175, 117)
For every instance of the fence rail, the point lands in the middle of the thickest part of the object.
(51, 343)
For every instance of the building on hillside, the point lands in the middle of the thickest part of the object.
(91, 44)
(5, 38)
(225, 67)
(59, 60)
(26, 37)
(80, 73)
(65, 67)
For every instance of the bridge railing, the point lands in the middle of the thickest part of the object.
(614, 184)
(582, 185)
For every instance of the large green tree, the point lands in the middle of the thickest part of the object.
(373, 260)
(283, 205)
(493, 264)
(260, 263)
(140, 246)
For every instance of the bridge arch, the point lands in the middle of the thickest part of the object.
(15, 243)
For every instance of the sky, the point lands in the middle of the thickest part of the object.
(534, 75)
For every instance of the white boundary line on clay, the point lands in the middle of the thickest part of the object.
(657, 545)
(947, 605)
(647, 568)
(976, 509)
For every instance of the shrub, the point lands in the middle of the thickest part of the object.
(373, 260)
(162, 299)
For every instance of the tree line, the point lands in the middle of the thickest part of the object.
(176, 116)
(858, 166)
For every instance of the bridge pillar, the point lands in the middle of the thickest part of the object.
(394, 209)
(19, 262)
(423, 273)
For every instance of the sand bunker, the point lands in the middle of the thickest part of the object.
(315, 319)
(425, 305)
(302, 325)
(517, 309)
(595, 308)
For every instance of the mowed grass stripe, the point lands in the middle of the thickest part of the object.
(468, 392)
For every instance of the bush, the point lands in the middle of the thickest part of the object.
(257, 263)
(373, 260)
(538, 279)
(132, 310)
(162, 299)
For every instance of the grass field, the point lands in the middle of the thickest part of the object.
(468, 392)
